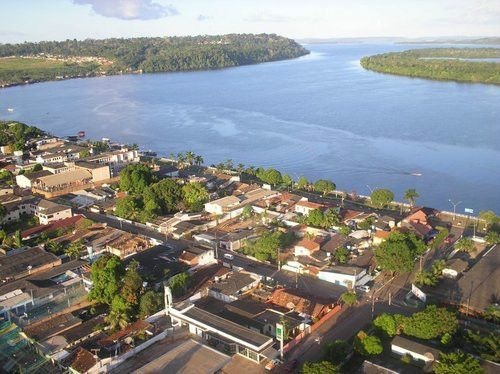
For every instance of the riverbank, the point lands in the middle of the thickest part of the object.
(48, 61)
(447, 64)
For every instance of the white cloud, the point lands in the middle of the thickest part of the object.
(130, 9)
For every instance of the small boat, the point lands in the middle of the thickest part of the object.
(81, 134)
(10, 110)
(416, 174)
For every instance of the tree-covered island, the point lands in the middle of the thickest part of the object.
(456, 64)
(53, 60)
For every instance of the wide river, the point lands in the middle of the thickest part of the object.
(321, 116)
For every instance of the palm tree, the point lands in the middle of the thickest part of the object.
(190, 157)
(117, 318)
(180, 158)
(240, 167)
(465, 244)
(411, 195)
(198, 160)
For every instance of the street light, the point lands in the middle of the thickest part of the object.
(454, 207)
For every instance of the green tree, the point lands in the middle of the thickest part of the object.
(132, 285)
(179, 284)
(380, 198)
(324, 186)
(398, 252)
(492, 313)
(168, 194)
(287, 180)
(411, 195)
(489, 217)
(151, 302)
(341, 255)
(266, 247)
(3, 212)
(457, 363)
(18, 240)
(322, 367)
(135, 178)
(387, 324)
(336, 351)
(83, 154)
(431, 323)
(75, 249)
(55, 247)
(302, 183)
(465, 244)
(367, 345)
(84, 224)
(129, 208)
(349, 298)
(106, 275)
(247, 212)
(119, 313)
(195, 196)
(270, 176)
(492, 238)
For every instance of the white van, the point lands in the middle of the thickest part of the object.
(228, 256)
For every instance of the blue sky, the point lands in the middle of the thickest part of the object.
(34, 20)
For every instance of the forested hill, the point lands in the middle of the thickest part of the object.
(478, 65)
(113, 56)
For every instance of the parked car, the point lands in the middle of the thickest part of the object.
(228, 256)
(364, 288)
(273, 363)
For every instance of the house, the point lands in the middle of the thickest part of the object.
(116, 160)
(346, 276)
(45, 281)
(384, 223)
(232, 285)
(305, 304)
(235, 240)
(126, 245)
(229, 335)
(64, 223)
(62, 183)
(222, 205)
(98, 172)
(417, 222)
(306, 207)
(478, 287)
(80, 361)
(46, 211)
(306, 247)
(17, 264)
(421, 354)
(195, 256)
(26, 180)
(379, 237)
(59, 154)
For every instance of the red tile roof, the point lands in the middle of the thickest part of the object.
(308, 244)
(66, 222)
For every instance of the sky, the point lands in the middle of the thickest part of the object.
(35, 20)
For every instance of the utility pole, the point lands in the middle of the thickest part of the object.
(373, 305)
(454, 208)
(390, 298)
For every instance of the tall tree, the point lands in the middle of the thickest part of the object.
(151, 302)
(397, 253)
(75, 249)
(106, 275)
(195, 196)
(302, 183)
(457, 363)
(411, 195)
(381, 197)
(132, 285)
(324, 186)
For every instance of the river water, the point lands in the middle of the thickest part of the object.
(321, 116)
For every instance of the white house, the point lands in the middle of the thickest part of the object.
(347, 276)
(420, 353)
(220, 206)
(306, 207)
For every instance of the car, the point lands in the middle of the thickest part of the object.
(228, 256)
(273, 363)
(364, 288)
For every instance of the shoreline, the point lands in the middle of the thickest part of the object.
(140, 72)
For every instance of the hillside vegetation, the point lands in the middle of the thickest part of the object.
(53, 60)
(439, 63)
